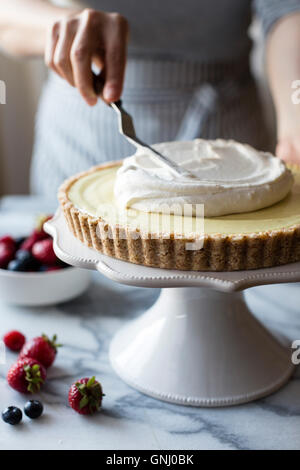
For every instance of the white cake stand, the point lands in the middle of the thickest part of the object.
(198, 344)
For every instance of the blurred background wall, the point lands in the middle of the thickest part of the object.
(24, 79)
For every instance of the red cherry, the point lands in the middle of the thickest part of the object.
(32, 239)
(43, 251)
(7, 253)
(8, 241)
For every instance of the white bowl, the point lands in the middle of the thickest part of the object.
(42, 288)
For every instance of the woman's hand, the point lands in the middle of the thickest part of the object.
(288, 149)
(89, 36)
(288, 134)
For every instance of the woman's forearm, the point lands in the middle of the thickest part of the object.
(24, 23)
(283, 63)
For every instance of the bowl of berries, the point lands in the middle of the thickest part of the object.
(32, 275)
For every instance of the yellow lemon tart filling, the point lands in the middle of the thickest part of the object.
(102, 214)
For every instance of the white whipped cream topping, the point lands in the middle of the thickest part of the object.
(229, 177)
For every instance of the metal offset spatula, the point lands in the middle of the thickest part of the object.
(126, 128)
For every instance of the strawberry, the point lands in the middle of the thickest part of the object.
(7, 253)
(85, 396)
(43, 252)
(14, 340)
(26, 375)
(42, 349)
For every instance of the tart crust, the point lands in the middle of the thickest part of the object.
(219, 252)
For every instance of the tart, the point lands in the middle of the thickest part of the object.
(261, 238)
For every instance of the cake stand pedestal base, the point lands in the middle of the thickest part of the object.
(199, 347)
(199, 344)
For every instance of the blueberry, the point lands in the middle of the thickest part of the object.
(19, 241)
(23, 255)
(24, 261)
(32, 264)
(15, 265)
(43, 268)
(12, 415)
(33, 409)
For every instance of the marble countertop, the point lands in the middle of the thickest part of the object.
(130, 420)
